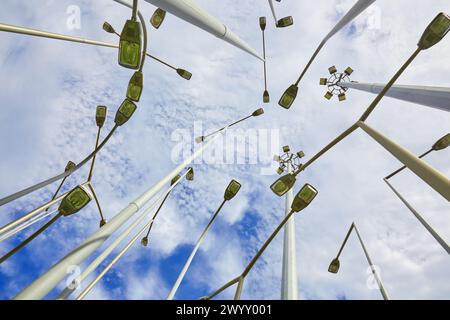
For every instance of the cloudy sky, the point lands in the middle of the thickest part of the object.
(50, 91)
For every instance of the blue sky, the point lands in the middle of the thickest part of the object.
(50, 91)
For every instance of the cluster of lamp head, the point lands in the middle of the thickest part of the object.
(434, 33)
(333, 81)
(288, 157)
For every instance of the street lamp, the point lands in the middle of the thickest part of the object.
(131, 42)
(181, 72)
(431, 176)
(283, 22)
(100, 118)
(135, 86)
(435, 32)
(230, 192)
(335, 264)
(288, 97)
(441, 144)
(189, 177)
(157, 18)
(255, 113)
(125, 111)
(69, 166)
(262, 25)
(73, 202)
(291, 162)
(302, 200)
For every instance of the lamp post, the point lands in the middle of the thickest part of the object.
(73, 202)
(55, 36)
(335, 264)
(189, 177)
(50, 279)
(255, 113)
(191, 12)
(441, 144)
(303, 198)
(289, 284)
(288, 97)
(230, 192)
(181, 72)
(123, 114)
(434, 33)
(121, 237)
(262, 25)
(434, 97)
(339, 83)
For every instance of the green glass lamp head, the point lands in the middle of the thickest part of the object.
(175, 179)
(283, 184)
(125, 111)
(130, 45)
(199, 139)
(232, 190)
(258, 112)
(69, 166)
(108, 28)
(334, 266)
(135, 86)
(342, 97)
(328, 95)
(100, 115)
(190, 174)
(323, 81)
(157, 18)
(285, 22)
(348, 71)
(435, 31)
(184, 74)
(301, 154)
(262, 23)
(266, 96)
(332, 69)
(102, 222)
(288, 97)
(280, 170)
(442, 143)
(74, 201)
(144, 241)
(303, 198)
(286, 149)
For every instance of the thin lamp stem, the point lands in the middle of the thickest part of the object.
(404, 167)
(389, 85)
(93, 159)
(57, 190)
(30, 238)
(345, 240)
(156, 213)
(96, 202)
(264, 56)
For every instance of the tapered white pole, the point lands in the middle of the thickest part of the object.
(372, 267)
(434, 97)
(191, 12)
(289, 288)
(186, 266)
(427, 173)
(49, 280)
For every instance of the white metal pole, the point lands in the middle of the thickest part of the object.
(434, 97)
(289, 287)
(435, 179)
(372, 267)
(435, 235)
(97, 261)
(191, 12)
(49, 280)
(273, 12)
(186, 266)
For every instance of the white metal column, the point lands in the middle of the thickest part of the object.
(289, 289)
